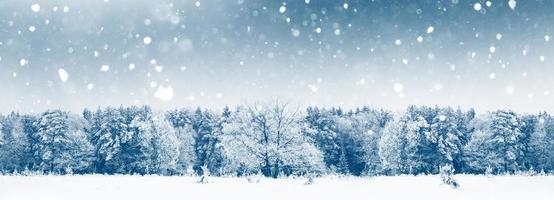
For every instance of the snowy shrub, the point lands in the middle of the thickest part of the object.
(205, 175)
(446, 173)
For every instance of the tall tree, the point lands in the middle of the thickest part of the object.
(207, 145)
(14, 155)
(109, 133)
(541, 144)
(506, 139)
(271, 139)
(62, 146)
(165, 147)
(446, 138)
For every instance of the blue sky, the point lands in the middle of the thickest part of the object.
(75, 54)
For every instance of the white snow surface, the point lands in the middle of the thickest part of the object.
(96, 187)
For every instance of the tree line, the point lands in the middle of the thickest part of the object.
(276, 140)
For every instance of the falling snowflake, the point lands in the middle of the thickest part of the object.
(509, 90)
(397, 87)
(63, 74)
(90, 86)
(23, 62)
(313, 88)
(295, 32)
(492, 49)
(398, 42)
(430, 29)
(104, 68)
(35, 7)
(477, 6)
(164, 93)
(158, 68)
(147, 40)
(283, 9)
(405, 61)
(512, 4)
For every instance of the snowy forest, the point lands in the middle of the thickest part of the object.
(276, 140)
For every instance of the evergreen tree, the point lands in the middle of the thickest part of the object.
(325, 137)
(61, 145)
(392, 147)
(506, 139)
(446, 138)
(13, 144)
(207, 145)
(109, 132)
(541, 144)
(166, 147)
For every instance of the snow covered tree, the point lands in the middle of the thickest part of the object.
(325, 137)
(165, 146)
(62, 143)
(528, 125)
(541, 144)
(392, 147)
(422, 139)
(14, 154)
(207, 145)
(107, 139)
(137, 147)
(370, 125)
(446, 138)
(496, 143)
(271, 139)
(446, 173)
(505, 140)
(181, 120)
(349, 141)
(476, 153)
(420, 154)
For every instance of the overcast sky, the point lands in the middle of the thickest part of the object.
(185, 53)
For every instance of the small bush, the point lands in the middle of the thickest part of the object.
(446, 173)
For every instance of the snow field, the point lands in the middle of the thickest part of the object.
(159, 187)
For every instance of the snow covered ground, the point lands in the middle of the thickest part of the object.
(155, 187)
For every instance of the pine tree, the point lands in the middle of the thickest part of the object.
(447, 138)
(14, 144)
(62, 144)
(182, 121)
(207, 142)
(392, 147)
(107, 139)
(541, 144)
(325, 136)
(166, 143)
(505, 140)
